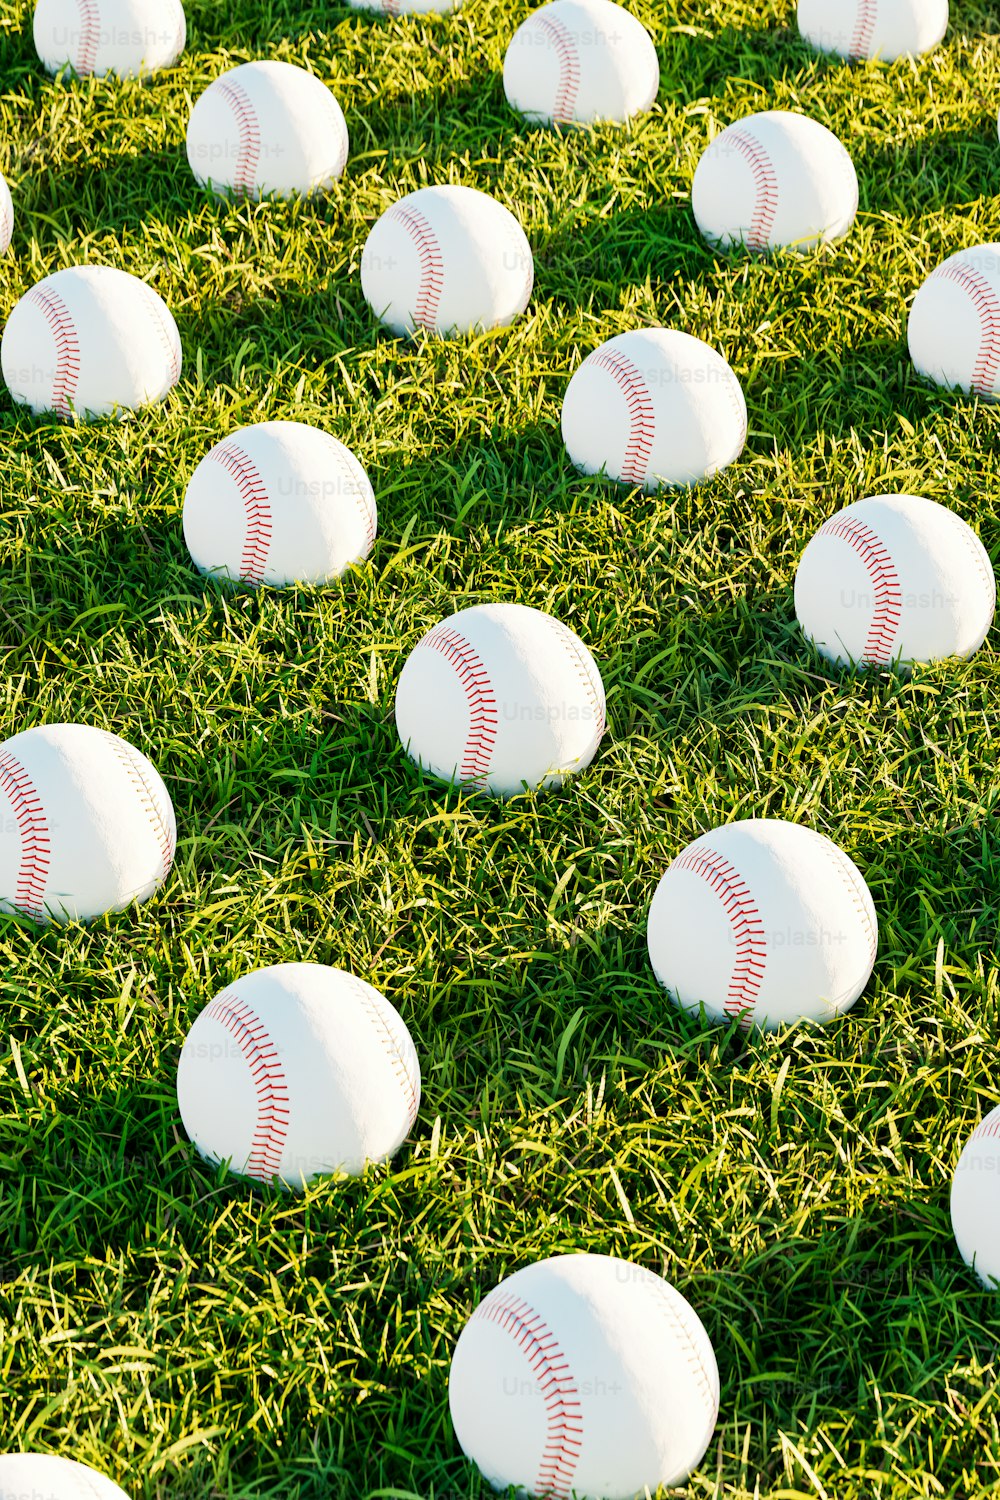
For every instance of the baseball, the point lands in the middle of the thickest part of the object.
(654, 407)
(6, 217)
(895, 578)
(127, 37)
(774, 180)
(448, 260)
(407, 7)
(279, 503)
(584, 1375)
(975, 1200)
(953, 329)
(884, 29)
(90, 341)
(267, 128)
(499, 698)
(43, 1476)
(87, 825)
(577, 61)
(297, 1071)
(763, 922)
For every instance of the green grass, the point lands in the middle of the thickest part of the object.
(195, 1338)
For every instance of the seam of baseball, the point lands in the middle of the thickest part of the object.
(881, 569)
(431, 263)
(675, 1307)
(6, 222)
(33, 828)
(987, 308)
(180, 35)
(67, 372)
(169, 340)
(745, 920)
(850, 876)
(519, 243)
(90, 36)
(765, 181)
(641, 412)
(248, 130)
(129, 757)
(270, 1084)
(732, 384)
(256, 505)
(569, 66)
(483, 716)
(863, 27)
(373, 1008)
(974, 546)
(563, 1410)
(340, 124)
(580, 663)
(363, 495)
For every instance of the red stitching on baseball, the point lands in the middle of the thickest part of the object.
(270, 1084)
(987, 1129)
(431, 263)
(166, 834)
(563, 1410)
(33, 828)
(745, 919)
(483, 717)
(248, 129)
(90, 36)
(63, 330)
(864, 25)
(765, 181)
(641, 412)
(168, 336)
(987, 306)
(372, 1002)
(256, 504)
(569, 65)
(586, 673)
(885, 581)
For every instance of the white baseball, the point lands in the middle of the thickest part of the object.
(763, 922)
(267, 128)
(584, 1375)
(407, 7)
(279, 503)
(774, 180)
(895, 578)
(654, 407)
(578, 61)
(953, 329)
(448, 260)
(297, 1071)
(127, 37)
(884, 29)
(90, 341)
(975, 1200)
(86, 824)
(44, 1476)
(500, 697)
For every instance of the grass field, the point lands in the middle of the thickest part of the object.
(195, 1338)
